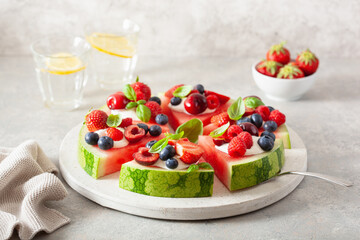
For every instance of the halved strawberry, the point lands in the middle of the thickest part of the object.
(144, 157)
(169, 93)
(220, 119)
(222, 98)
(114, 133)
(189, 152)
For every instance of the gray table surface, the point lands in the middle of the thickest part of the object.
(327, 118)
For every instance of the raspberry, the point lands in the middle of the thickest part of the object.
(233, 131)
(212, 101)
(142, 91)
(237, 147)
(126, 122)
(114, 133)
(247, 139)
(277, 117)
(96, 120)
(154, 108)
(220, 119)
(263, 111)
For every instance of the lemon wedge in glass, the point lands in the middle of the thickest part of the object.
(63, 63)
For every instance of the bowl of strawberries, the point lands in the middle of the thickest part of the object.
(282, 78)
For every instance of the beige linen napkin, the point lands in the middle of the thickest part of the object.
(26, 183)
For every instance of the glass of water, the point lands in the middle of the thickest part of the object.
(114, 51)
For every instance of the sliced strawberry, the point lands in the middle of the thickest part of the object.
(222, 98)
(144, 157)
(169, 93)
(220, 119)
(189, 152)
(134, 133)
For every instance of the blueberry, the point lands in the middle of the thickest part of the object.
(242, 120)
(270, 126)
(155, 99)
(168, 152)
(150, 143)
(171, 163)
(91, 138)
(269, 134)
(175, 101)
(143, 126)
(266, 143)
(200, 88)
(155, 130)
(105, 143)
(270, 108)
(256, 119)
(161, 119)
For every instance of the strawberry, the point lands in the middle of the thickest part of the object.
(247, 139)
(154, 108)
(212, 101)
(263, 111)
(237, 147)
(189, 152)
(290, 72)
(126, 122)
(96, 120)
(222, 98)
(277, 117)
(169, 93)
(144, 157)
(143, 92)
(269, 68)
(220, 119)
(114, 133)
(307, 62)
(233, 131)
(278, 54)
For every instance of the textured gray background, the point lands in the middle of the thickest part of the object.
(331, 28)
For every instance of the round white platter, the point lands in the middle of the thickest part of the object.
(223, 203)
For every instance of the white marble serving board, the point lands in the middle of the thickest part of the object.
(223, 203)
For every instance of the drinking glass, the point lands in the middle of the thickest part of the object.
(61, 63)
(115, 52)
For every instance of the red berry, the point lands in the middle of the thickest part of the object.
(218, 141)
(169, 93)
(117, 101)
(134, 133)
(220, 119)
(237, 147)
(143, 92)
(233, 131)
(212, 101)
(126, 122)
(277, 117)
(114, 133)
(195, 103)
(307, 62)
(96, 120)
(247, 139)
(144, 157)
(154, 108)
(189, 152)
(263, 111)
(278, 54)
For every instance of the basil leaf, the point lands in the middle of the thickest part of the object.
(137, 79)
(176, 136)
(253, 102)
(192, 168)
(192, 129)
(237, 109)
(159, 145)
(131, 105)
(129, 92)
(141, 102)
(205, 165)
(182, 91)
(219, 131)
(113, 120)
(143, 113)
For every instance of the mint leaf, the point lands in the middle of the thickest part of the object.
(113, 120)
(192, 168)
(219, 131)
(205, 165)
(141, 102)
(253, 102)
(159, 145)
(143, 113)
(237, 109)
(129, 92)
(192, 129)
(131, 105)
(182, 91)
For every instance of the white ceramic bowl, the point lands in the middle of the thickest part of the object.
(282, 89)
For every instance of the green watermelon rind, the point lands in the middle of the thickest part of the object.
(283, 134)
(257, 169)
(160, 182)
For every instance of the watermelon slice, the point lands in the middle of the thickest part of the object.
(98, 163)
(243, 172)
(159, 182)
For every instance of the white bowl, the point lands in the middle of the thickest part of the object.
(282, 89)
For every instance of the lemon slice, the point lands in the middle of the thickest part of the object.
(112, 44)
(63, 63)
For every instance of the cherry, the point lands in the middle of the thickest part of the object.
(195, 103)
(117, 101)
(250, 128)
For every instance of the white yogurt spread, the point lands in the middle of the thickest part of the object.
(181, 108)
(126, 113)
(255, 149)
(117, 144)
(162, 164)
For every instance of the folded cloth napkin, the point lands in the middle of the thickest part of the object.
(26, 183)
